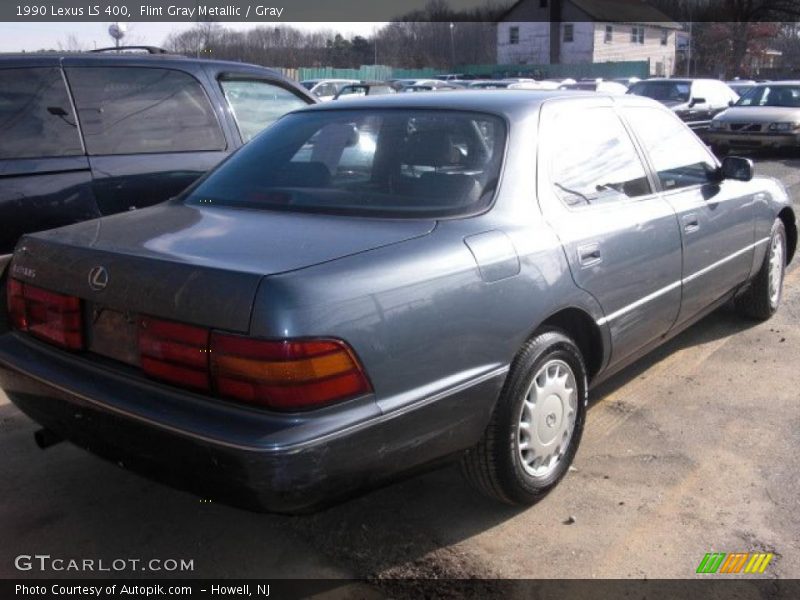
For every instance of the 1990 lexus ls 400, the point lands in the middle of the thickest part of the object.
(368, 288)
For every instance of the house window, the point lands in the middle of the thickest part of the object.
(569, 32)
(609, 34)
(664, 37)
(637, 35)
(513, 35)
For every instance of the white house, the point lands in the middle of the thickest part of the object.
(586, 31)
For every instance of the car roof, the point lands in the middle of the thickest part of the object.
(508, 103)
(24, 59)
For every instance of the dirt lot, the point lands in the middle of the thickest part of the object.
(693, 450)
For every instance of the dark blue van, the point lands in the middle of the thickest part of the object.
(91, 134)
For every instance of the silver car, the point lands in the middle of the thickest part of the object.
(768, 116)
(373, 287)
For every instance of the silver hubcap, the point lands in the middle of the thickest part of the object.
(775, 270)
(547, 419)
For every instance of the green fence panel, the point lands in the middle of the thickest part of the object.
(606, 70)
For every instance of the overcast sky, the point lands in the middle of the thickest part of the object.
(15, 37)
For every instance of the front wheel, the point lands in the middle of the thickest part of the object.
(536, 426)
(763, 297)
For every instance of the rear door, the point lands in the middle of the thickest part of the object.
(717, 218)
(621, 239)
(149, 131)
(45, 180)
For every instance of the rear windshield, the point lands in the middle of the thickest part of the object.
(665, 91)
(395, 163)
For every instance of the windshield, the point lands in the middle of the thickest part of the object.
(766, 95)
(665, 91)
(395, 163)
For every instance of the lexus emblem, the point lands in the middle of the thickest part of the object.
(98, 278)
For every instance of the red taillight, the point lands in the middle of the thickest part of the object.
(285, 375)
(53, 317)
(16, 305)
(174, 352)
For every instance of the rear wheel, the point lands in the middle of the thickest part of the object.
(763, 297)
(536, 426)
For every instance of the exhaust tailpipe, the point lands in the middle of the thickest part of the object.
(45, 438)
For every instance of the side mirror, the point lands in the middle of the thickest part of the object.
(694, 101)
(735, 167)
(731, 102)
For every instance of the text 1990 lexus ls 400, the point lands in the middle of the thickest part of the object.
(368, 288)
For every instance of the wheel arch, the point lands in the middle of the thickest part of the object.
(584, 330)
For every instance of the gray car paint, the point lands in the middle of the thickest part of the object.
(434, 310)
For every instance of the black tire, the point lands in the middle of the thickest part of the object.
(495, 466)
(759, 301)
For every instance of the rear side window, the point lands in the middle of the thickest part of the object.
(679, 158)
(36, 117)
(397, 163)
(593, 160)
(137, 110)
(258, 104)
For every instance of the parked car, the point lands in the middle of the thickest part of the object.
(372, 287)
(86, 135)
(768, 116)
(326, 89)
(490, 84)
(695, 101)
(626, 81)
(741, 86)
(605, 87)
(400, 84)
(428, 88)
(356, 90)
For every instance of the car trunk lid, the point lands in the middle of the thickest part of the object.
(195, 265)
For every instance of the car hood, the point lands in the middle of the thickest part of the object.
(196, 264)
(760, 114)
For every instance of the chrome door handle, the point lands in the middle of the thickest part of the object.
(691, 223)
(589, 255)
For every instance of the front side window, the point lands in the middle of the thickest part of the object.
(138, 110)
(513, 35)
(663, 91)
(396, 163)
(593, 160)
(679, 158)
(36, 117)
(569, 32)
(258, 104)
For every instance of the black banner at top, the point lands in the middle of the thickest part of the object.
(276, 11)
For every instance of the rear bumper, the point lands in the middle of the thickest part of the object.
(281, 463)
(753, 140)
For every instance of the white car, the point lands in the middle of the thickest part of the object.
(326, 89)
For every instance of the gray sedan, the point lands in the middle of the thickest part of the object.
(374, 287)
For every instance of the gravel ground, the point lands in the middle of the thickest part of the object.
(692, 450)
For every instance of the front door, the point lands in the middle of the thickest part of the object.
(621, 239)
(717, 217)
